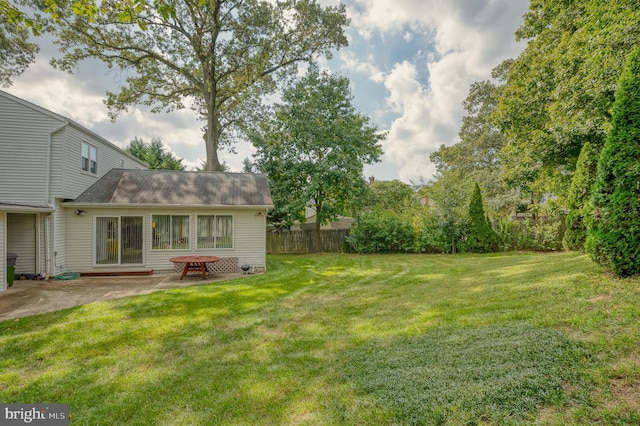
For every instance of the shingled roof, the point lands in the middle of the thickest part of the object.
(177, 188)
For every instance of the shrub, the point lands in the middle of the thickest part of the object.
(579, 194)
(433, 238)
(530, 234)
(614, 228)
(382, 231)
(478, 237)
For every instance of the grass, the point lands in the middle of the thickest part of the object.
(346, 339)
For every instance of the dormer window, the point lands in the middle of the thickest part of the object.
(89, 158)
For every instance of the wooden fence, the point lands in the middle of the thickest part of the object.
(304, 241)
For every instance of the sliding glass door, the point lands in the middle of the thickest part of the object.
(118, 240)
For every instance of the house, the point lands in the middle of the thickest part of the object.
(72, 201)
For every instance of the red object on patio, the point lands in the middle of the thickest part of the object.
(194, 263)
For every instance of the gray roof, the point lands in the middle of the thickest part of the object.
(177, 188)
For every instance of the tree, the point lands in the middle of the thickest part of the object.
(314, 149)
(248, 166)
(224, 167)
(154, 154)
(222, 56)
(614, 231)
(559, 92)
(579, 195)
(449, 197)
(18, 24)
(479, 236)
(391, 195)
(476, 157)
(16, 51)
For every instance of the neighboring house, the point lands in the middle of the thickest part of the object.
(72, 201)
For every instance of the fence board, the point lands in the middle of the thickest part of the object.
(282, 242)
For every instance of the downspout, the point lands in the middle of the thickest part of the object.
(49, 238)
(47, 248)
(49, 145)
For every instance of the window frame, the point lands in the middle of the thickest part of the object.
(172, 245)
(117, 235)
(215, 237)
(89, 163)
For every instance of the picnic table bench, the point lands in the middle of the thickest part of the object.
(194, 264)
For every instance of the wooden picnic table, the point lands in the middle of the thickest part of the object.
(194, 263)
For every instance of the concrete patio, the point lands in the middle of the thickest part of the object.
(31, 297)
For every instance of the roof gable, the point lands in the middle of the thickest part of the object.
(64, 121)
(178, 188)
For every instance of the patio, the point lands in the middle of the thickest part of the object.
(32, 297)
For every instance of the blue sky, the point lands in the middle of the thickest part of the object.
(410, 63)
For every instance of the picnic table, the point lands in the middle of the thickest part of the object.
(194, 263)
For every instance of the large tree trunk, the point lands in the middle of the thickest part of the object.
(212, 134)
(211, 143)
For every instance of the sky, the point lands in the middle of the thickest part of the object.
(410, 64)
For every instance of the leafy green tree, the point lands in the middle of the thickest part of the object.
(18, 23)
(614, 233)
(314, 148)
(479, 236)
(154, 154)
(476, 157)
(16, 49)
(219, 57)
(449, 197)
(579, 195)
(559, 92)
(391, 195)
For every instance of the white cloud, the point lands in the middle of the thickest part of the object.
(470, 38)
(366, 67)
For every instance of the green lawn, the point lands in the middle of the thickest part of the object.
(346, 339)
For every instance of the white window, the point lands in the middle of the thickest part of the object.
(89, 158)
(169, 232)
(215, 231)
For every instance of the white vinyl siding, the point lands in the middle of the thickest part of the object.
(74, 181)
(249, 236)
(24, 139)
(30, 136)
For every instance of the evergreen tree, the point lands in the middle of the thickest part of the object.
(154, 154)
(579, 195)
(614, 232)
(480, 237)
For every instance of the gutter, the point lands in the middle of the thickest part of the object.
(72, 204)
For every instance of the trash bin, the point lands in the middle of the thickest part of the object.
(11, 274)
(11, 268)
